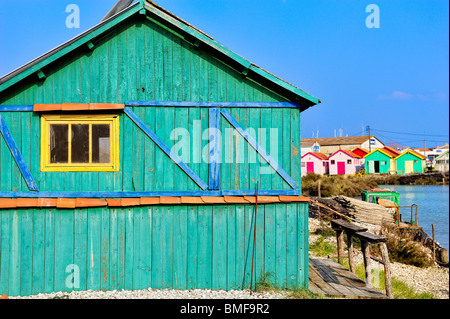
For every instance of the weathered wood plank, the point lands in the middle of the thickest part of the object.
(175, 158)
(259, 149)
(17, 155)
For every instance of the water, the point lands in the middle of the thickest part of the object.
(433, 202)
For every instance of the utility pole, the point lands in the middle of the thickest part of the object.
(370, 141)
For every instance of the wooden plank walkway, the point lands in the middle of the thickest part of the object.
(327, 277)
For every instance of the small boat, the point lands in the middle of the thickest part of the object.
(390, 199)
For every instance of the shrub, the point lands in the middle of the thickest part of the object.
(402, 247)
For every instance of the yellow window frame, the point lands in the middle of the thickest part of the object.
(47, 120)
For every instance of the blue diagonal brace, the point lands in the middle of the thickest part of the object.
(259, 149)
(175, 158)
(17, 155)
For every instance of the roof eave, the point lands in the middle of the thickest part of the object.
(42, 61)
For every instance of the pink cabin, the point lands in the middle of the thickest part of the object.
(344, 162)
(314, 162)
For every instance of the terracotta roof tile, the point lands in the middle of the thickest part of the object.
(149, 200)
(321, 155)
(74, 107)
(235, 200)
(125, 202)
(27, 202)
(46, 107)
(192, 200)
(213, 200)
(65, 202)
(251, 199)
(130, 202)
(114, 202)
(90, 202)
(170, 200)
(287, 199)
(268, 199)
(46, 202)
(8, 203)
(106, 106)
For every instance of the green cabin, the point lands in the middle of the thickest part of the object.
(381, 161)
(410, 162)
(132, 156)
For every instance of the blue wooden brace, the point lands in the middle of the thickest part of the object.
(218, 193)
(175, 158)
(17, 156)
(16, 108)
(261, 151)
(290, 105)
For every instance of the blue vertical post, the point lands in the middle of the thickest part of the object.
(215, 148)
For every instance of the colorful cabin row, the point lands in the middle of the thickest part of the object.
(339, 163)
(389, 161)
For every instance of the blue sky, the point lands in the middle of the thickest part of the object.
(394, 78)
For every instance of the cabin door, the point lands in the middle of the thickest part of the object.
(376, 167)
(370, 166)
(341, 168)
(309, 167)
(409, 167)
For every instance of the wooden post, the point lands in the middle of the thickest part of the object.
(387, 270)
(443, 255)
(434, 243)
(318, 189)
(340, 244)
(351, 262)
(366, 255)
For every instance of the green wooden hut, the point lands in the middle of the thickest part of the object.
(131, 157)
(381, 161)
(410, 162)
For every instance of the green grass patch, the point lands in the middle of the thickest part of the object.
(322, 248)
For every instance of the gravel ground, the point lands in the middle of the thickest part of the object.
(160, 294)
(434, 280)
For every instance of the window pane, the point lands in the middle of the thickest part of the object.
(101, 143)
(59, 145)
(80, 143)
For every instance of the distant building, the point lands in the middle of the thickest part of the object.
(310, 146)
(330, 145)
(344, 163)
(381, 161)
(441, 162)
(435, 152)
(314, 162)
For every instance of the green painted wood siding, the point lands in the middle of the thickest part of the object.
(145, 167)
(175, 247)
(417, 167)
(380, 157)
(142, 61)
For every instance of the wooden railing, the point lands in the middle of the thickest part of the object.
(366, 238)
